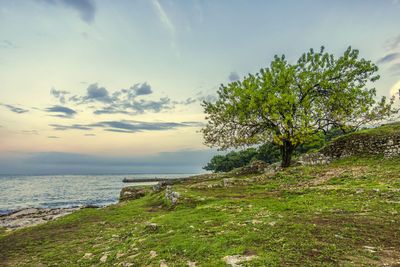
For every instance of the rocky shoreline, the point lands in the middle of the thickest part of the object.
(34, 216)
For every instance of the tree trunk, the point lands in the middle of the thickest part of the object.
(287, 150)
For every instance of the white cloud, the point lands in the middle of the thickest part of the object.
(163, 16)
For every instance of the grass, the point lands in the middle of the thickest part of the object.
(382, 131)
(346, 213)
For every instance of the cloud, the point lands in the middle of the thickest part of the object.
(131, 101)
(52, 137)
(393, 43)
(163, 16)
(155, 106)
(90, 135)
(122, 101)
(167, 23)
(199, 98)
(143, 89)
(7, 44)
(59, 127)
(188, 101)
(85, 8)
(63, 112)
(15, 109)
(136, 126)
(136, 107)
(110, 110)
(127, 126)
(233, 77)
(207, 98)
(60, 95)
(388, 58)
(395, 67)
(29, 132)
(96, 93)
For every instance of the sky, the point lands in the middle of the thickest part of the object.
(95, 86)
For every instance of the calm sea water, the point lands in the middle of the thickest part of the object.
(61, 191)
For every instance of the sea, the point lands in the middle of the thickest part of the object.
(64, 191)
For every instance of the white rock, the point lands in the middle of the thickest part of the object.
(153, 254)
(87, 255)
(234, 259)
(104, 258)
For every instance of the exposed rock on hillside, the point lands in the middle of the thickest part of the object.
(255, 167)
(133, 192)
(33, 216)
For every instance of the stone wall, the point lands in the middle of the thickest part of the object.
(363, 143)
(255, 167)
(311, 159)
(355, 144)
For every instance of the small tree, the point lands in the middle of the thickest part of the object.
(287, 103)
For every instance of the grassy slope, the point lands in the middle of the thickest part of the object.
(303, 215)
(321, 215)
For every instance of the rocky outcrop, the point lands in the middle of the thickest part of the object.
(133, 192)
(311, 159)
(33, 216)
(171, 196)
(255, 167)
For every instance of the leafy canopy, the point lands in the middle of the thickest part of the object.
(267, 152)
(287, 103)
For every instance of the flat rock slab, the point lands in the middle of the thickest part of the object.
(33, 216)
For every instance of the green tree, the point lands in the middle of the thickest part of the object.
(286, 104)
(269, 153)
(230, 161)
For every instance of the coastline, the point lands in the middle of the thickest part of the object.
(35, 216)
(32, 216)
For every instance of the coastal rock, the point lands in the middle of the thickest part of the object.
(159, 186)
(133, 192)
(33, 216)
(171, 196)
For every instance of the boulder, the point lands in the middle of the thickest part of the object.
(171, 196)
(133, 192)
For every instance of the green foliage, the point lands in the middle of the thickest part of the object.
(268, 152)
(286, 104)
(230, 161)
